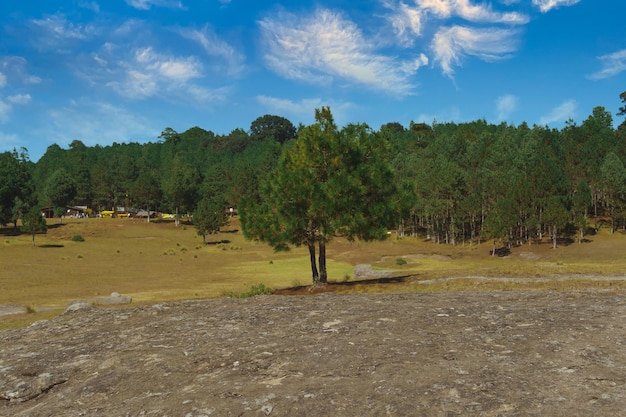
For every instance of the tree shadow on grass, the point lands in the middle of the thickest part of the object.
(218, 242)
(501, 252)
(337, 286)
(10, 231)
(51, 245)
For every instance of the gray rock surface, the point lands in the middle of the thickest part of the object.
(514, 353)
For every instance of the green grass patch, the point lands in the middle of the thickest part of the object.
(257, 289)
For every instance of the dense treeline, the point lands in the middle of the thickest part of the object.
(456, 183)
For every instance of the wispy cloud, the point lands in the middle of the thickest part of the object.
(147, 4)
(19, 99)
(406, 21)
(561, 113)
(506, 105)
(96, 123)
(409, 21)
(147, 73)
(452, 114)
(304, 109)
(451, 44)
(56, 32)
(468, 11)
(547, 5)
(6, 106)
(612, 64)
(325, 46)
(5, 109)
(14, 68)
(495, 38)
(90, 5)
(229, 58)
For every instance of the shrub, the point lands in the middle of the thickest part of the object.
(258, 289)
(77, 238)
(401, 261)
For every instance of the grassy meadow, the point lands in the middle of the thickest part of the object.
(157, 261)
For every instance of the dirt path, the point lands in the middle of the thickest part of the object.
(516, 353)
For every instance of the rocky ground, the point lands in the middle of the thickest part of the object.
(516, 353)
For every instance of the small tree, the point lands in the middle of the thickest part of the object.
(613, 181)
(330, 182)
(60, 190)
(33, 222)
(555, 216)
(499, 221)
(209, 216)
(581, 201)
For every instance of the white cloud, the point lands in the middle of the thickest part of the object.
(612, 64)
(6, 106)
(450, 44)
(96, 123)
(5, 109)
(561, 113)
(214, 46)
(90, 5)
(148, 73)
(304, 110)
(406, 22)
(14, 68)
(409, 21)
(56, 27)
(19, 99)
(451, 114)
(147, 4)
(547, 5)
(325, 46)
(505, 105)
(468, 11)
(305, 107)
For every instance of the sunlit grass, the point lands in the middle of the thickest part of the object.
(158, 262)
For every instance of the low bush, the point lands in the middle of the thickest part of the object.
(258, 289)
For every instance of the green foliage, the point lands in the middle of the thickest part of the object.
(33, 223)
(60, 190)
(16, 186)
(258, 289)
(78, 238)
(612, 180)
(209, 216)
(329, 182)
(449, 182)
(274, 127)
(401, 261)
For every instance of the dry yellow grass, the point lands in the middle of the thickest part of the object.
(158, 262)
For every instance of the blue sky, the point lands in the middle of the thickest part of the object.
(124, 70)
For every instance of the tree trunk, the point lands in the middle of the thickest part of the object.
(176, 221)
(314, 272)
(33, 239)
(554, 231)
(322, 262)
